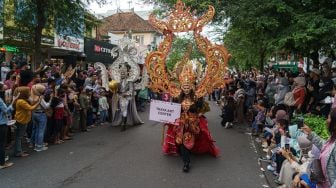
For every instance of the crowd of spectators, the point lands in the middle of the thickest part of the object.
(274, 104)
(49, 105)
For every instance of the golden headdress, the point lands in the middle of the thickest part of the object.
(217, 57)
(187, 76)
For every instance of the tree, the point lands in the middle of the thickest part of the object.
(179, 49)
(256, 29)
(35, 16)
(200, 6)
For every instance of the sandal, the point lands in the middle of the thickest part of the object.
(6, 165)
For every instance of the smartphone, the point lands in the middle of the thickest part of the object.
(300, 122)
(287, 147)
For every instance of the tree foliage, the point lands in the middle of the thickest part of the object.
(33, 17)
(180, 48)
(256, 29)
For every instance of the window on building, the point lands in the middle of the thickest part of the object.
(139, 39)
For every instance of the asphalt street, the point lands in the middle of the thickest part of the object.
(106, 157)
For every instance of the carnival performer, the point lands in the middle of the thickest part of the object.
(126, 113)
(189, 133)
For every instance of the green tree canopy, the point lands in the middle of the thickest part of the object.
(256, 29)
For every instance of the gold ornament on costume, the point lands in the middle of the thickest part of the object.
(216, 56)
(113, 86)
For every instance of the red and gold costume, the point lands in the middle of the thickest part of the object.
(187, 84)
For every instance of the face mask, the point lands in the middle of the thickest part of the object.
(321, 84)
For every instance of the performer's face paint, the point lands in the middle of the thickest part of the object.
(186, 88)
(123, 74)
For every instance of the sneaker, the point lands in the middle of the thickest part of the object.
(268, 157)
(270, 168)
(226, 125)
(41, 149)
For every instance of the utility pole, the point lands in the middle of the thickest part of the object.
(129, 5)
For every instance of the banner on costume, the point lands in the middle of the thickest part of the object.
(165, 112)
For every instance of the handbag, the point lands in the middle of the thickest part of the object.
(289, 99)
(316, 173)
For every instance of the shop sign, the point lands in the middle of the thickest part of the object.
(45, 40)
(7, 48)
(103, 50)
(69, 43)
(100, 51)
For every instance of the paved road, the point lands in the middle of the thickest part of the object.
(106, 157)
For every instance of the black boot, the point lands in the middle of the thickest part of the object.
(123, 124)
(186, 167)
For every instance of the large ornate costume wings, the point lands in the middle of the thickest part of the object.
(217, 57)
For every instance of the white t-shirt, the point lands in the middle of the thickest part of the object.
(4, 72)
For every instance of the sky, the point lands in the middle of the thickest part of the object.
(138, 5)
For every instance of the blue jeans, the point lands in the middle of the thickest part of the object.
(103, 116)
(19, 133)
(39, 126)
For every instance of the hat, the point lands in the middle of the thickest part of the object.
(301, 81)
(316, 71)
(304, 144)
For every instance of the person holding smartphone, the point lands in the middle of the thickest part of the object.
(328, 150)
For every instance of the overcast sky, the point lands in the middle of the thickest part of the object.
(122, 4)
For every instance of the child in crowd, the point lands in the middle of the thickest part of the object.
(259, 120)
(58, 116)
(103, 106)
(228, 112)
